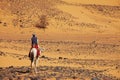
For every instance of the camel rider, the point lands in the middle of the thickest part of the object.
(34, 44)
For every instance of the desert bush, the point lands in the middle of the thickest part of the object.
(42, 23)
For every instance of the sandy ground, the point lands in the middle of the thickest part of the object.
(81, 42)
(61, 60)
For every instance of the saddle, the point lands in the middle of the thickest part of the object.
(37, 48)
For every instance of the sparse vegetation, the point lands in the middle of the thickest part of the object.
(0, 22)
(106, 10)
(43, 22)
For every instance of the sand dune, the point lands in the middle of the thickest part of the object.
(98, 2)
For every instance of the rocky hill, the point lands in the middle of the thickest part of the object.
(61, 14)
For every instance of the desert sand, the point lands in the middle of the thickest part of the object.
(80, 42)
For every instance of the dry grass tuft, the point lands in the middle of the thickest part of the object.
(43, 22)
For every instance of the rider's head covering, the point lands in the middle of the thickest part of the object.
(33, 35)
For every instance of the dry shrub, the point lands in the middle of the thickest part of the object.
(43, 22)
